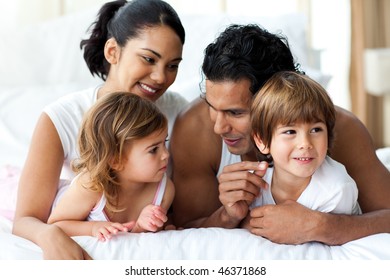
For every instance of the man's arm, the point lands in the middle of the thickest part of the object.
(293, 223)
(194, 153)
(354, 148)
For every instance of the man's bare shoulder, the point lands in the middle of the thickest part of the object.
(195, 111)
(194, 128)
(345, 117)
(349, 136)
(349, 128)
(195, 119)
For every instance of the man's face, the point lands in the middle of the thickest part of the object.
(229, 106)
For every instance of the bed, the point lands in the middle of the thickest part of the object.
(42, 62)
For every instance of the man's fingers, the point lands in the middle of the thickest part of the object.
(246, 166)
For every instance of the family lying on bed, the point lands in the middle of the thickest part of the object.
(217, 163)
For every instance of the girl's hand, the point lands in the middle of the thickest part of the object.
(104, 230)
(152, 218)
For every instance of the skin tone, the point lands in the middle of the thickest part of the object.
(138, 186)
(297, 150)
(147, 66)
(219, 201)
(226, 119)
(151, 60)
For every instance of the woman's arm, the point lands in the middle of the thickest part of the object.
(37, 189)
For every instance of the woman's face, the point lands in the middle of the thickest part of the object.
(146, 65)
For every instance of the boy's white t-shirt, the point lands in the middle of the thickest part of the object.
(331, 189)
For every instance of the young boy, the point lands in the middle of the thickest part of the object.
(292, 124)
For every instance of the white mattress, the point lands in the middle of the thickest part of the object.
(201, 244)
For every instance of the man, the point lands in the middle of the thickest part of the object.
(212, 152)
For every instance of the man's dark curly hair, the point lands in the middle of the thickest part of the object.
(247, 52)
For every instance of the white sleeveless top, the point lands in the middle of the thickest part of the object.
(98, 213)
(227, 158)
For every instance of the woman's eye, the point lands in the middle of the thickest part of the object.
(149, 59)
(173, 66)
(154, 150)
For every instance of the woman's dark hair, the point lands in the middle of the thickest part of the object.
(247, 51)
(122, 21)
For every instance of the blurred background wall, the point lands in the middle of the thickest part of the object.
(332, 26)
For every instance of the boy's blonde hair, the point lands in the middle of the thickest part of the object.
(112, 122)
(289, 97)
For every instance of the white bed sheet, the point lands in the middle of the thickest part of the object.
(200, 244)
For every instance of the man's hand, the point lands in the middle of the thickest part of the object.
(239, 185)
(286, 223)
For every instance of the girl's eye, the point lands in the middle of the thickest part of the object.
(154, 150)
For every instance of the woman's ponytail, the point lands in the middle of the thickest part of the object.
(94, 45)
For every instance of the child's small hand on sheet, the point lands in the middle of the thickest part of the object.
(152, 218)
(104, 230)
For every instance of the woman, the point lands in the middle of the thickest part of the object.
(134, 47)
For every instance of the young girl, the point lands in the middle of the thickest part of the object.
(121, 171)
(292, 124)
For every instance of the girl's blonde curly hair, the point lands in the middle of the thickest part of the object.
(113, 121)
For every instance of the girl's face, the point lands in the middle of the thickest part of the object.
(146, 159)
(297, 149)
(147, 65)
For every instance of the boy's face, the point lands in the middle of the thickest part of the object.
(297, 149)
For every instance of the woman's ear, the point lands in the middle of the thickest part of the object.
(112, 51)
(260, 145)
